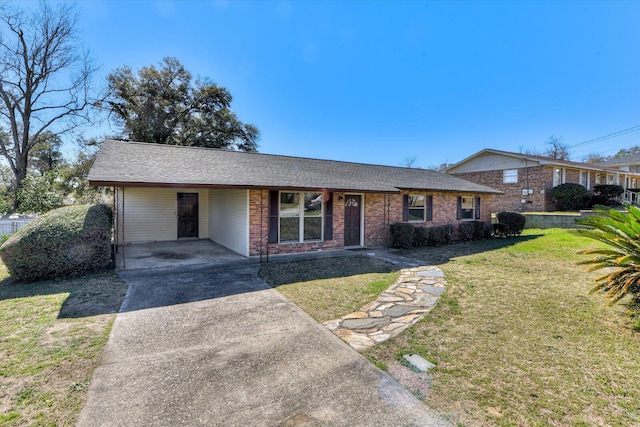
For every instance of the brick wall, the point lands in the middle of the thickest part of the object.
(376, 220)
(537, 178)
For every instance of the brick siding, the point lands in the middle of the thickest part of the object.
(376, 220)
(537, 178)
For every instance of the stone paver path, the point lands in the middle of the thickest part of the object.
(414, 295)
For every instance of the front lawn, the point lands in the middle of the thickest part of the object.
(516, 338)
(331, 287)
(51, 339)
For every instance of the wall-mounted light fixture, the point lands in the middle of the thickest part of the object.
(340, 198)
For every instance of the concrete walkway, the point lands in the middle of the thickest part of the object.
(215, 346)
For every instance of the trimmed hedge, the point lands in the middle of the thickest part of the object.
(420, 236)
(473, 230)
(402, 235)
(605, 195)
(512, 223)
(64, 242)
(568, 196)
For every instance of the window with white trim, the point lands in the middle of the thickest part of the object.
(610, 179)
(598, 179)
(510, 176)
(417, 208)
(300, 217)
(467, 207)
(558, 176)
(584, 177)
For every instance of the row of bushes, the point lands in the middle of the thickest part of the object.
(405, 235)
(570, 196)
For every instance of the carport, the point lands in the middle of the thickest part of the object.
(176, 254)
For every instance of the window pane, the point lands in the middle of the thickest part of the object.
(467, 207)
(289, 204)
(467, 203)
(416, 214)
(289, 229)
(416, 201)
(416, 207)
(510, 176)
(289, 217)
(312, 228)
(313, 204)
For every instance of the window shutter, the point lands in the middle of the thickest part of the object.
(328, 217)
(459, 214)
(273, 216)
(429, 208)
(477, 207)
(405, 207)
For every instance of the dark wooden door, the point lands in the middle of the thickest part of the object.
(187, 215)
(352, 220)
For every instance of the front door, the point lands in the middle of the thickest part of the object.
(352, 220)
(187, 215)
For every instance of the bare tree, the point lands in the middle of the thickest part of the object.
(409, 161)
(594, 158)
(44, 79)
(557, 149)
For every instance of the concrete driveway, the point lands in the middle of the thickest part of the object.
(215, 346)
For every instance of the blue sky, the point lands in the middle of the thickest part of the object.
(378, 81)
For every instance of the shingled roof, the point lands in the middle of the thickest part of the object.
(541, 160)
(628, 160)
(121, 163)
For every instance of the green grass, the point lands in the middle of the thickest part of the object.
(516, 338)
(330, 288)
(51, 338)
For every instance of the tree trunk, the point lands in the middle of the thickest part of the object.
(20, 174)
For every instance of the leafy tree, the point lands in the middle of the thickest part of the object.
(40, 193)
(45, 155)
(632, 151)
(557, 149)
(165, 106)
(620, 231)
(44, 82)
(73, 177)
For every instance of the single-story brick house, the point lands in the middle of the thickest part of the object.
(253, 203)
(526, 180)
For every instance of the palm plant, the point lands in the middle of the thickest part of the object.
(620, 231)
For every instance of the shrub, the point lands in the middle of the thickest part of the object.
(608, 190)
(449, 232)
(4, 238)
(402, 235)
(420, 236)
(620, 231)
(487, 230)
(439, 235)
(568, 196)
(473, 230)
(466, 231)
(512, 222)
(605, 193)
(65, 242)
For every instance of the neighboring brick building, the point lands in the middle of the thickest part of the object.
(255, 203)
(526, 181)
